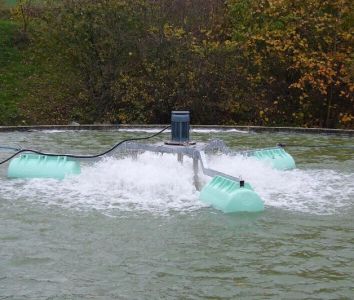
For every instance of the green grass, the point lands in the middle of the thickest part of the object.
(12, 74)
(11, 2)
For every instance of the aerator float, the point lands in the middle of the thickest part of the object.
(224, 192)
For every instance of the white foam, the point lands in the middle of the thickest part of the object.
(159, 184)
(311, 191)
(53, 130)
(204, 130)
(151, 183)
(149, 130)
(195, 130)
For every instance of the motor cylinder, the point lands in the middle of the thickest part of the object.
(180, 126)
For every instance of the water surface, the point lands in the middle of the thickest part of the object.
(135, 229)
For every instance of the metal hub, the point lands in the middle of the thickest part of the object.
(176, 143)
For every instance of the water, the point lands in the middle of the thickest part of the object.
(136, 230)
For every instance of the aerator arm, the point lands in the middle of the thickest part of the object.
(211, 172)
(194, 152)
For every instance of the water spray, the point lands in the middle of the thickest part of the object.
(224, 192)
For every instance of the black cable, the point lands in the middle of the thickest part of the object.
(314, 146)
(10, 148)
(83, 156)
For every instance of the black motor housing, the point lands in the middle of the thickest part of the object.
(180, 126)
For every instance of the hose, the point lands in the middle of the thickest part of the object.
(80, 156)
(9, 148)
(315, 146)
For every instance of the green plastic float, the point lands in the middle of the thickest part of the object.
(278, 158)
(42, 166)
(223, 192)
(230, 196)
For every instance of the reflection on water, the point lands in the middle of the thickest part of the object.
(159, 184)
(135, 229)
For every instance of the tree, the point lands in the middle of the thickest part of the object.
(300, 57)
(277, 62)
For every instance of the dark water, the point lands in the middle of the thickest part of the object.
(136, 230)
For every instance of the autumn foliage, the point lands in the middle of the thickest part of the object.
(265, 62)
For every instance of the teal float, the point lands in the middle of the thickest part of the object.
(278, 158)
(224, 192)
(231, 196)
(42, 166)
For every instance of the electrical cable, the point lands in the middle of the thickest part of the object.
(82, 156)
(314, 146)
(10, 148)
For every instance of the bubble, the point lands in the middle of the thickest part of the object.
(159, 184)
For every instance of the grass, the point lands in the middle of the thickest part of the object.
(11, 2)
(12, 74)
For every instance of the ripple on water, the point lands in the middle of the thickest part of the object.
(159, 184)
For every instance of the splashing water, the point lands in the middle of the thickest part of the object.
(159, 184)
(193, 130)
(312, 191)
(150, 183)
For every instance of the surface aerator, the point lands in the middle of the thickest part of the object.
(224, 192)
